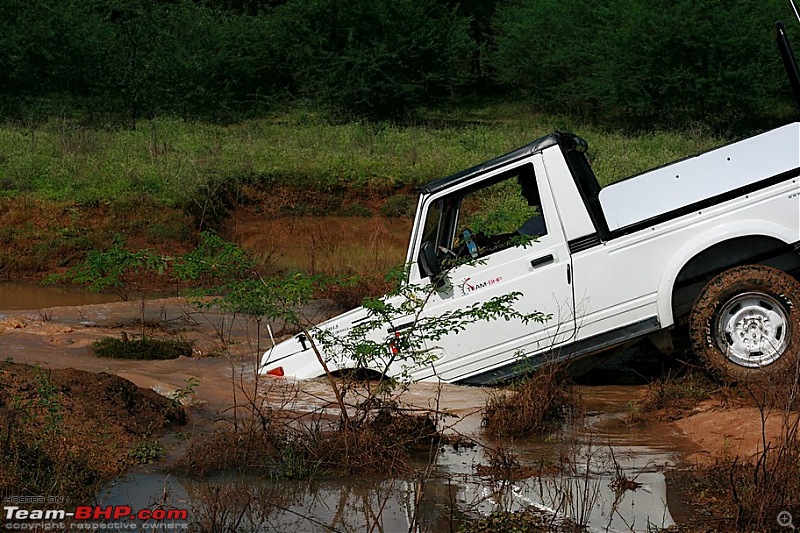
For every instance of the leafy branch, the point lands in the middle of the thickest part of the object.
(393, 338)
(114, 269)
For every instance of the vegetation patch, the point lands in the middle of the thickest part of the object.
(244, 449)
(382, 59)
(284, 169)
(398, 205)
(537, 405)
(743, 495)
(274, 448)
(41, 236)
(678, 394)
(673, 395)
(141, 348)
(148, 451)
(317, 162)
(384, 444)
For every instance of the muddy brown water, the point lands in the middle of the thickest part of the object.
(451, 491)
(56, 332)
(18, 296)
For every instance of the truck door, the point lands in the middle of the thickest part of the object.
(508, 223)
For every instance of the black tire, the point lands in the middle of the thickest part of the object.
(745, 323)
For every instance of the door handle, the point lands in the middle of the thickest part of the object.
(539, 261)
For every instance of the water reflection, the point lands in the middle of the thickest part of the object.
(248, 504)
(605, 489)
(585, 489)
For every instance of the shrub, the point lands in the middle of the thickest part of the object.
(144, 348)
(398, 205)
(372, 58)
(740, 495)
(272, 448)
(638, 62)
(536, 405)
(677, 392)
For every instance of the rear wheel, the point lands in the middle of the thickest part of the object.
(745, 324)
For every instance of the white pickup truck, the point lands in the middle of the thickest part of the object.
(712, 240)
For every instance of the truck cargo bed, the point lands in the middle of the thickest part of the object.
(695, 179)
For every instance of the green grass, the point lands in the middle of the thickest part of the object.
(174, 161)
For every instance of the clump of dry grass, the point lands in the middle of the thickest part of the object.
(384, 444)
(748, 493)
(537, 405)
(242, 449)
(672, 395)
(677, 393)
(742, 495)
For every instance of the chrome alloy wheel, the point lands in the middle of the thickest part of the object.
(752, 330)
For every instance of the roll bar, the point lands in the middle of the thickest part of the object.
(789, 60)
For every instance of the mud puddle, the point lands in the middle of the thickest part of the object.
(600, 452)
(609, 476)
(226, 349)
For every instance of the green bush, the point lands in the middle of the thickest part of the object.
(112, 62)
(374, 58)
(642, 62)
(144, 348)
(355, 210)
(398, 205)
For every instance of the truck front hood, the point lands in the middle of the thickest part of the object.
(296, 358)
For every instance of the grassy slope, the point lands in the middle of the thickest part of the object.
(65, 188)
(173, 160)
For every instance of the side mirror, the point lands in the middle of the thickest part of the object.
(428, 261)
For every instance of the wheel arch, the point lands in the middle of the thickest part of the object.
(716, 250)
